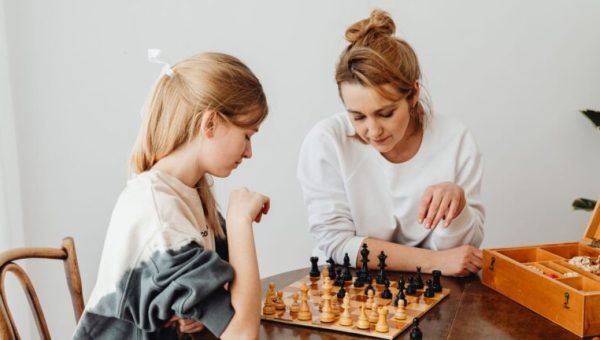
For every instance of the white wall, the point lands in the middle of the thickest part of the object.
(515, 72)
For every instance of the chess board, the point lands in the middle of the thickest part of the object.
(417, 305)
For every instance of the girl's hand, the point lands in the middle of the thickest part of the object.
(441, 201)
(185, 325)
(247, 205)
(459, 261)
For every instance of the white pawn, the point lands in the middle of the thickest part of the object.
(346, 318)
(295, 307)
(369, 303)
(400, 311)
(373, 315)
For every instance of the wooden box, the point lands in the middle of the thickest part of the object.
(534, 276)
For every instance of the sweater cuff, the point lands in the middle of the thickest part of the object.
(352, 247)
(218, 312)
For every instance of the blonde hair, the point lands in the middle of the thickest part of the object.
(207, 81)
(375, 57)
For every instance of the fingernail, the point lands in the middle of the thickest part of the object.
(428, 226)
(421, 220)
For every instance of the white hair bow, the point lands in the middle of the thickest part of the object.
(153, 57)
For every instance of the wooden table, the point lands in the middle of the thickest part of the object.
(472, 311)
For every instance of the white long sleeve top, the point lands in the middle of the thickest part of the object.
(352, 192)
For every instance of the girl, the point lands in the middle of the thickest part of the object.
(385, 172)
(159, 262)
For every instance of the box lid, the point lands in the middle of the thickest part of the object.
(592, 233)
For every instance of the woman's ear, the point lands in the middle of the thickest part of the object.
(208, 124)
(415, 97)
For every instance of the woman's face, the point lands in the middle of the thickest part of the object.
(377, 120)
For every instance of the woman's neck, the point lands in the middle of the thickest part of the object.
(178, 165)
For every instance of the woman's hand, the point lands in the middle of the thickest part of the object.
(459, 261)
(441, 201)
(247, 205)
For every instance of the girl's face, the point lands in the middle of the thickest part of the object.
(378, 121)
(227, 147)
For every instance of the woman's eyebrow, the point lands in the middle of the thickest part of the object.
(383, 108)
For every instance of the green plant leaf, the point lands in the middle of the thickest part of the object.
(583, 204)
(594, 116)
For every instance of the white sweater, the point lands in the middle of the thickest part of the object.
(352, 192)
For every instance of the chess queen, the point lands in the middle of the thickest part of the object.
(387, 171)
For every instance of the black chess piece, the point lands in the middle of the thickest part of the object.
(437, 285)
(400, 296)
(332, 275)
(364, 269)
(411, 289)
(387, 293)
(401, 282)
(419, 280)
(346, 268)
(358, 282)
(342, 292)
(415, 332)
(314, 269)
(339, 281)
(429, 293)
(370, 287)
(382, 276)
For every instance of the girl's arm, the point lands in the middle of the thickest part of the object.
(244, 208)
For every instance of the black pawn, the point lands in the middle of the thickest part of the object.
(332, 275)
(339, 281)
(429, 293)
(437, 285)
(382, 276)
(419, 281)
(346, 268)
(387, 293)
(358, 282)
(400, 296)
(370, 287)
(342, 292)
(314, 269)
(415, 332)
(401, 282)
(411, 289)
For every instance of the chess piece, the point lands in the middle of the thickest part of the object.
(325, 273)
(279, 305)
(346, 268)
(369, 302)
(387, 293)
(382, 324)
(401, 282)
(415, 332)
(411, 289)
(382, 276)
(346, 317)
(304, 314)
(400, 297)
(363, 321)
(327, 314)
(437, 285)
(370, 286)
(295, 307)
(339, 281)
(373, 315)
(314, 268)
(336, 309)
(332, 272)
(364, 269)
(419, 280)
(400, 311)
(269, 306)
(429, 293)
(341, 293)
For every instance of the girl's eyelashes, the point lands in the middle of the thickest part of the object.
(359, 117)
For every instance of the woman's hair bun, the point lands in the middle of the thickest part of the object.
(378, 24)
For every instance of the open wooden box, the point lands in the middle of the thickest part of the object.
(534, 276)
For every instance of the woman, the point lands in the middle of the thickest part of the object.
(387, 173)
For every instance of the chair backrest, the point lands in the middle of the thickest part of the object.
(67, 254)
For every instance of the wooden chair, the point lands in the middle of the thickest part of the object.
(67, 254)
